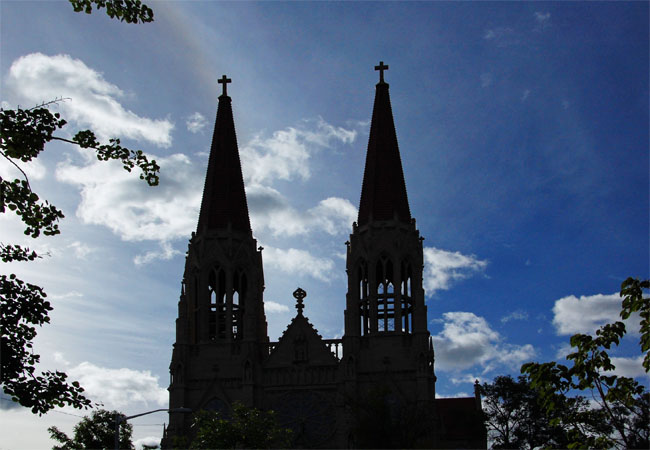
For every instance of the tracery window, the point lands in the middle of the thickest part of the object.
(217, 312)
(385, 295)
(238, 297)
(407, 297)
(364, 307)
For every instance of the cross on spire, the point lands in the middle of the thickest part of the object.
(381, 67)
(299, 295)
(224, 80)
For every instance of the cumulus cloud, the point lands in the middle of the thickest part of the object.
(468, 340)
(442, 268)
(285, 155)
(35, 170)
(112, 197)
(628, 367)
(587, 313)
(80, 249)
(271, 307)
(298, 262)
(269, 209)
(36, 78)
(119, 388)
(195, 122)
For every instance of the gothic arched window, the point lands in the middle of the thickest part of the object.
(364, 308)
(238, 297)
(385, 295)
(407, 297)
(217, 313)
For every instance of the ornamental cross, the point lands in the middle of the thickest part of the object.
(224, 80)
(381, 67)
(299, 294)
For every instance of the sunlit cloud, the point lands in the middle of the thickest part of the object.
(90, 100)
(442, 268)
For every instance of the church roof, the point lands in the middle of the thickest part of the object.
(224, 198)
(383, 193)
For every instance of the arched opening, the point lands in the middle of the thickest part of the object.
(364, 309)
(217, 313)
(407, 297)
(385, 295)
(238, 297)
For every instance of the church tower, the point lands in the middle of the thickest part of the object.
(221, 330)
(386, 341)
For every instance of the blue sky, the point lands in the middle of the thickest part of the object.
(523, 130)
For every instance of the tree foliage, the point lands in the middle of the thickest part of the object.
(622, 400)
(24, 134)
(247, 428)
(129, 11)
(96, 431)
(515, 417)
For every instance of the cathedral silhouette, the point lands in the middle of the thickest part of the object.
(375, 386)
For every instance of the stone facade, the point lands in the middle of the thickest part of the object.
(324, 389)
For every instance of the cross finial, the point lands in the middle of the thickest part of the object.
(299, 294)
(381, 67)
(224, 80)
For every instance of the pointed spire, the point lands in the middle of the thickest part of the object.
(383, 193)
(224, 199)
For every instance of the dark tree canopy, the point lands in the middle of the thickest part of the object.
(246, 428)
(96, 431)
(129, 11)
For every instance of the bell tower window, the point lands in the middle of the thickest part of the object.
(385, 295)
(217, 313)
(238, 298)
(407, 298)
(364, 307)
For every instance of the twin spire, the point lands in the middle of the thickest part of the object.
(224, 199)
(383, 193)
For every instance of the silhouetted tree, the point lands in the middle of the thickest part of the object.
(96, 431)
(23, 136)
(623, 401)
(246, 428)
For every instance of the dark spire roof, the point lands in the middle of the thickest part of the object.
(224, 198)
(383, 194)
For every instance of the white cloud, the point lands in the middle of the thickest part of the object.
(586, 313)
(80, 249)
(466, 378)
(271, 307)
(515, 315)
(298, 262)
(468, 340)
(524, 96)
(629, 367)
(165, 253)
(150, 441)
(119, 388)
(112, 197)
(35, 170)
(269, 209)
(442, 268)
(36, 78)
(285, 155)
(195, 122)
